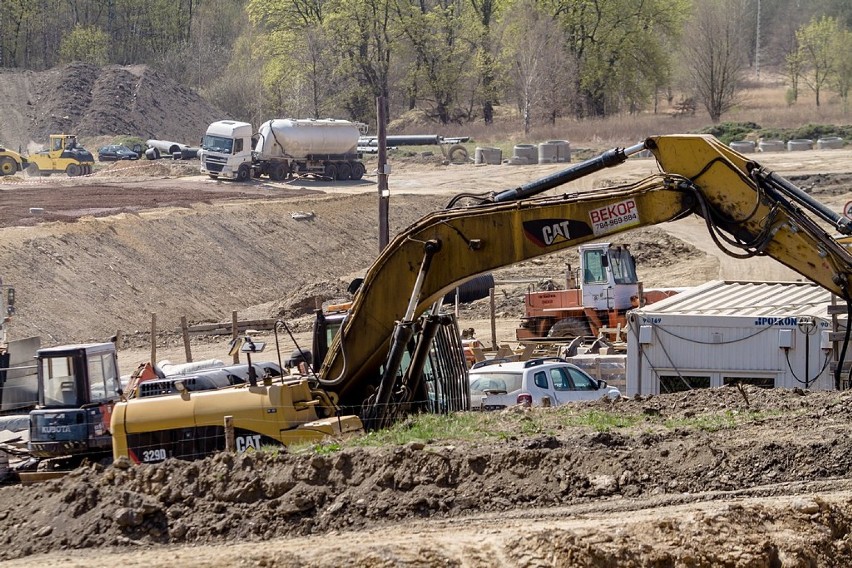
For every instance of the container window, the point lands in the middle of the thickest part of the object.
(680, 383)
(762, 382)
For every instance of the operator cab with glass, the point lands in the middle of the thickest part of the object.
(609, 276)
(77, 386)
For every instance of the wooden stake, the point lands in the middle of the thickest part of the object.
(230, 440)
(185, 331)
(234, 333)
(153, 338)
(493, 322)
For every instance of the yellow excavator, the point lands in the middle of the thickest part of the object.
(366, 370)
(63, 155)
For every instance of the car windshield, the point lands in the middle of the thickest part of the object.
(494, 381)
(217, 144)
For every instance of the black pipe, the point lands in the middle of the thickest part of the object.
(782, 185)
(606, 160)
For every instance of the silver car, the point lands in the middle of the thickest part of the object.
(537, 382)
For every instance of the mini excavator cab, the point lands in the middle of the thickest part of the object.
(77, 387)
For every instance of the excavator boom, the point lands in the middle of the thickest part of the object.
(748, 210)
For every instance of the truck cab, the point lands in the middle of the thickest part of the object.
(607, 276)
(226, 150)
(77, 388)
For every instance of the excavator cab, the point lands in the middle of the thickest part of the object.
(77, 387)
(609, 276)
(431, 367)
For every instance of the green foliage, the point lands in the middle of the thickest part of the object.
(809, 131)
(728, 132)
(129, 141)
(817, 42)
(88, 44)
(432, 428)
(790, 96)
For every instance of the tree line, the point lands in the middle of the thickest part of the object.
(455, 60)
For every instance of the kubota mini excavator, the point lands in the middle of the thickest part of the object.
(748, 210)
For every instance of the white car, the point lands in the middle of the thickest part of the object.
(495, 385)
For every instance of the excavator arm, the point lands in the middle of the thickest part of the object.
(748, 210)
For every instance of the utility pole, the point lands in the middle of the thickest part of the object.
(383, 173)
(757, 43)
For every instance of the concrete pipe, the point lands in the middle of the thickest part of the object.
(152, 154)
(800, 145)
(830, 143)
(771, 146)
(563, 150)
(188, 153)
(490, 156)
(547, 153)
(457, 154)
(527, 152)
(743, 146)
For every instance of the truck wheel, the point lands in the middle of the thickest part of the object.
(73, 170)
(330, 172)
(569, 327)
(278, 173)
(213, 176)
(243, 173)
(358, 170)
(8, 166)
(344, 171)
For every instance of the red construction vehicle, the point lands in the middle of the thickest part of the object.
(596, 301)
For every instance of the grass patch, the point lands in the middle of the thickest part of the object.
(502, 426)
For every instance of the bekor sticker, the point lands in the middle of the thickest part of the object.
(616, 216)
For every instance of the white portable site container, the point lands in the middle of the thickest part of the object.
(771, 334)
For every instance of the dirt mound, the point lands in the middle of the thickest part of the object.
(93, 101)
(689, 447)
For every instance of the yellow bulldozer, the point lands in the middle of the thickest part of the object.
(11, 162)
(64, 154)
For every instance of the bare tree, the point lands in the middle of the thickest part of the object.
(715, 53)
(537, 64)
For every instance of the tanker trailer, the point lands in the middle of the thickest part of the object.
(283, 148)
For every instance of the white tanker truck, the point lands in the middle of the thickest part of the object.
(282, 148)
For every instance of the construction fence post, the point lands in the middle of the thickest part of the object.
(234, 334)
(185, 332)
(153, 338)
(230, 440)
